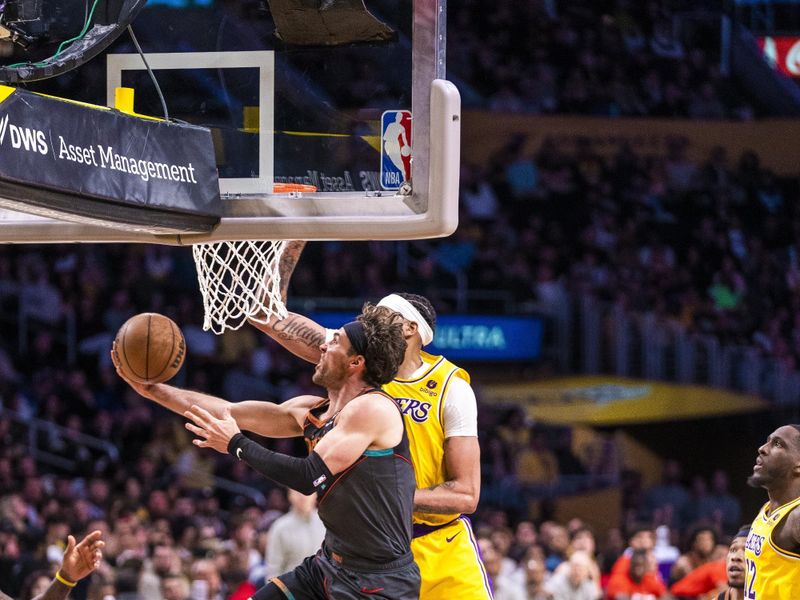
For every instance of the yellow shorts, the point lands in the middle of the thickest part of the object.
(450, 564)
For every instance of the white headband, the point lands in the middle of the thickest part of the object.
(405, 308)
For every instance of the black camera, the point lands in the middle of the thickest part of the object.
(56, 36)
(28, 22)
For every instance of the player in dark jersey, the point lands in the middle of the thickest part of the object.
(359, 463)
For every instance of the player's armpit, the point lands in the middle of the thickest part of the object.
(273, 420)
(298, 334)
(462, 490)
(793, 530)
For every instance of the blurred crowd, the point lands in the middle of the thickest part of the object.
(169, 535)
(709, 245)
(173, 515)
(612, 57)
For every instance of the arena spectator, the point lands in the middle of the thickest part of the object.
(575, 582)
(582, 540)
(700, 544)
(638, 579)
(504, 585)
(175, 587)
(536, 464)
(525, 536)
(723, 508)
(206, 581)
(641, 540)
(664, 552)
(535, 575)
(295, 535)
(666, 502)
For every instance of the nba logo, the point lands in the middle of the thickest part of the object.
(395, 148)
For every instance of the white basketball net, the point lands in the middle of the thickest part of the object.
(239, 281)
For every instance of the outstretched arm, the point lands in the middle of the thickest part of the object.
(298, 334)
(264, 418)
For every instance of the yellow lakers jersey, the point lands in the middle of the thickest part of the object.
(771, 573)
(422, 402)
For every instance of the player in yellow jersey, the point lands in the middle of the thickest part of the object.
(440, 412)
(772, 550)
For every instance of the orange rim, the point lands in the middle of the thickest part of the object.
(285, 188)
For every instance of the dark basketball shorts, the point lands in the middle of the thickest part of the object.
(320, 577)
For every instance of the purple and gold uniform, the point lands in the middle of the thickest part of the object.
(444, 545)
(771, 573)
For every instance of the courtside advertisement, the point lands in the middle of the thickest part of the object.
(395, 148)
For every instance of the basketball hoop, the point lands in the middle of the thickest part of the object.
(240, 281)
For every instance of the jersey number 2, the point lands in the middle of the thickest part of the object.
(749, 592)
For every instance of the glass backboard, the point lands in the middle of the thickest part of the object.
(331, 119)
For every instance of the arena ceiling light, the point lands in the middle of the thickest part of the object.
(78, 30)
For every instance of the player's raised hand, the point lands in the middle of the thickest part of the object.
(212, 432)
(80, 559)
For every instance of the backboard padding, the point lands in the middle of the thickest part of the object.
(250, 210)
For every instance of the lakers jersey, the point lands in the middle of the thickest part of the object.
(422, 402)
(771, 573)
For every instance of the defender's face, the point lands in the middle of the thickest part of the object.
(777, 458)
(735, 563)
(332, 366)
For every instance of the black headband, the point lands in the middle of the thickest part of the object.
(355, 333)
(743, 532)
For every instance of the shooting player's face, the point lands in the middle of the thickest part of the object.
(336, 356)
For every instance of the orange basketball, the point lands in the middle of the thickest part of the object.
(149, 348)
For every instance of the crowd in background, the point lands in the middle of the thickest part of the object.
(170, 523)
(711, 245)
(170, 535)
(612, 57)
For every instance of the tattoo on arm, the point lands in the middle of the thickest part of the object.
(292, 328)
(287, 263)
(448, 485)
(421, 507)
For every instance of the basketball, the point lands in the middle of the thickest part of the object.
(149, 348)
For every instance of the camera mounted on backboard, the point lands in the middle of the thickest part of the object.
(29, 22)
(39, 32)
